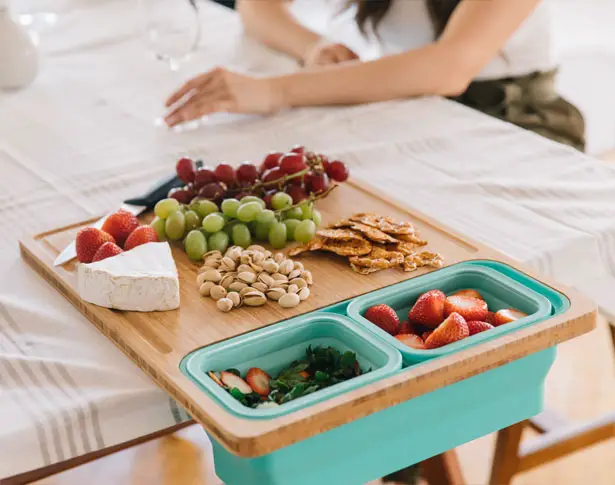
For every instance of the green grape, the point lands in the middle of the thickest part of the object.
(164, 207)
(229, 226)
(306, 210)
(316, 217)
(253, 198)
(175, 225)
(277, 235)
(266, 217)
(158, 225)
(305, 231)
(193, 221)
(281, 200)
(248, 212)
(241, 235)
(219, 240)
(204, 207)
(261, 230)
(195, 244)
(252, 226)
(294, 213)
(230, 206)
(213, 222)
(291, 226)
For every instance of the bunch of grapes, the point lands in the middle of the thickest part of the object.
(204, 225)
(300, 174)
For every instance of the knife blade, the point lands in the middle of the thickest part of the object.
(135, 206)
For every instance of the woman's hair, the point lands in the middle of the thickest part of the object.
(373, 11)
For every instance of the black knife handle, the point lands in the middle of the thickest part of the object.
(156, 193)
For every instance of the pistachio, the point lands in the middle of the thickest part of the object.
(242, 268)
(256, 267)
(212, 254)
(245, 258)
(304, 293)
(265, 278)
(227, 264)
(211, 263)
(276, 293)
(257, 248)
(245, 290)
(286, 266)
(254, 298)
(227, 279)
(280, 284)
(300, 282)
(206, 287)
(307, 276)
(279, 277)
(267, 254)
(260, 286)
(258, 258)
(279, 257)
(237, 286)
(212, 275)
(293, 289)
(235, 298)
(295, 273)
(271, 266)
(225, 304)
(289, 300)
(234, 253)
(246, 277)
(200, 279)
(217, 292)
(298, 265)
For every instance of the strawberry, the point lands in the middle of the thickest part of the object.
(258, 380)
(383, 316)
(305, 374)
(490, 318)
(468, 307)
(506, 316)
(475, 327)
(141, 235)
(107, 250)
(468, 292)
(428, 309)
(88, 240)
(425, 335)
(405, 327)
(451, 330)
(120, 224)
(232, 381)
(215, 378)
(411, 340)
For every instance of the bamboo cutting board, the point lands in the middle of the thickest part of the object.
(157, 342)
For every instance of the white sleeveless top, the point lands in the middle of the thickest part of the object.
(407, 26)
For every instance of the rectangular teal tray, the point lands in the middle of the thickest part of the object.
(498, 290)
(412, 431)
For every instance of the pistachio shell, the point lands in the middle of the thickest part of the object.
(212, 275)
(300, 282)
(278, 257)
(245, 258)
(245, 290)
(307, 276)
(304, 293)
(276, 293)
(215, 253)
(293, 289)
(257, 285)
(298, 265)
(295, 273)
(228, 264)
(200, 279)
(217, 292)
(258, 258)
(256, 267)
(225, 304)
(270, 266)
(289, 300)
(234, 253)
(235, 298)
(267, 254)
(237, 286)
(265, 278)
(247, 277)
(279, 277)
(206, 287)
(211, 263)
(286, 267)
(254, 298)
(257, 248)
(227, 279)
(242, 268)
(279, 284)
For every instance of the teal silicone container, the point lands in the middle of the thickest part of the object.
(275, 347)
(498, 290)
(412, 431)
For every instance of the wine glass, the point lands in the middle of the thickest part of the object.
(172, 31)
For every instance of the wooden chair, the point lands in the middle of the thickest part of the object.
(558, 439)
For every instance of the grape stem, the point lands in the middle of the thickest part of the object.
(311, 199)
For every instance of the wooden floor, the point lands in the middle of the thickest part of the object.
(580, 386)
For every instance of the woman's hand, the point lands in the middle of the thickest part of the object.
(323, 54)
(220, 90)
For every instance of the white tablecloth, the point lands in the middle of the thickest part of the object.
(80, 140)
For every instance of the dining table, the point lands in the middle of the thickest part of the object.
(81, 139)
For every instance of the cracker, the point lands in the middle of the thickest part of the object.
(385, 224)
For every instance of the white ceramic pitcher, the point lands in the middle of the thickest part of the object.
(18, 54)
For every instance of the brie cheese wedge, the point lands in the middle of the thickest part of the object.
(143, 279)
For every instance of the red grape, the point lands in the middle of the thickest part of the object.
(267, 198)
(272, 160)
(190, 190)
(338, 171)
(225, 173)
(298, 193)
(297, 180)
(242, 194)
(204, 176)
(247, 172)
(292, 163)
(213, 191)
(298, 149)
(181, 195)
(272, 175)
(185, 170)
(317, 182)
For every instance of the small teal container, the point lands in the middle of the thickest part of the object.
(498, 290)
(273, 348)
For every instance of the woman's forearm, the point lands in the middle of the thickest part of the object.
(271, 22)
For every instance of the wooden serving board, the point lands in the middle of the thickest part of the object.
(157, 342)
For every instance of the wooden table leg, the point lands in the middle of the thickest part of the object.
(443, 469)
(506, 454)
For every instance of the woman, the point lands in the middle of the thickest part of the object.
(492, 55)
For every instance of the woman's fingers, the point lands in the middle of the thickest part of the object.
(198, 82)
(199, 105)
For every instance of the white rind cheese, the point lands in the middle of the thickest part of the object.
(143, 279)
